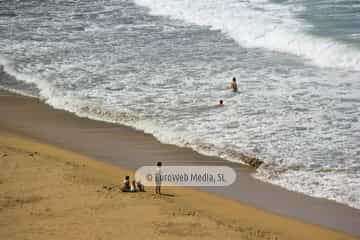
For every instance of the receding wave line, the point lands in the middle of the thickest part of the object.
(45, 88)
(84, 107)
(260, 24)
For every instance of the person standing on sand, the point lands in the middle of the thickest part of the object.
(158, 178)
(234, 85)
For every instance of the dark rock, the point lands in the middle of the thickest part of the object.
(252, 161)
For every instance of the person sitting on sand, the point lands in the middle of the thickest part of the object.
(234, 85)
(126, 185)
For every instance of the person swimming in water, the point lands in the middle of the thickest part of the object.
(221, 103)
(234, 85)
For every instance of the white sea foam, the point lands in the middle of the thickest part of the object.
(46, 89)
(165, 77)
(260, 24)
(317, 183)
(165, 134)
(330, 186)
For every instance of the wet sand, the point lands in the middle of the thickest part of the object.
(125, 147)
(50, 193)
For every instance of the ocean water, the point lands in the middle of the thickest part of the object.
(162, 66)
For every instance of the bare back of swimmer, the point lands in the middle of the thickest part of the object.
(234, 85)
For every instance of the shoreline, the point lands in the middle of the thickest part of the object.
(126, 147)
(67, 193)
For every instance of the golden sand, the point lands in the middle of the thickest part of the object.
(49, 193)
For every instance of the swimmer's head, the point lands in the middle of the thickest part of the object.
(234, 79)
(221, 102)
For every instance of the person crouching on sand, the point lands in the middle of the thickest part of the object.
(158, 178)
(234, 85)
(126, 185)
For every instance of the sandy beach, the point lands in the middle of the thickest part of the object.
(124, 147)
(51, 193)
(54, 193)
(264, 95)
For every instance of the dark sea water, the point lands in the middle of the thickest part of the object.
(161, 66)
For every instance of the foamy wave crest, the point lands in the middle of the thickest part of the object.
(309, 181)
(260, 24)
(98, 111)
(45, 88)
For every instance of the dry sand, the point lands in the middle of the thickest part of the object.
(126, 147)
(50, 193)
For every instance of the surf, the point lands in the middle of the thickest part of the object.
(261, 24)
